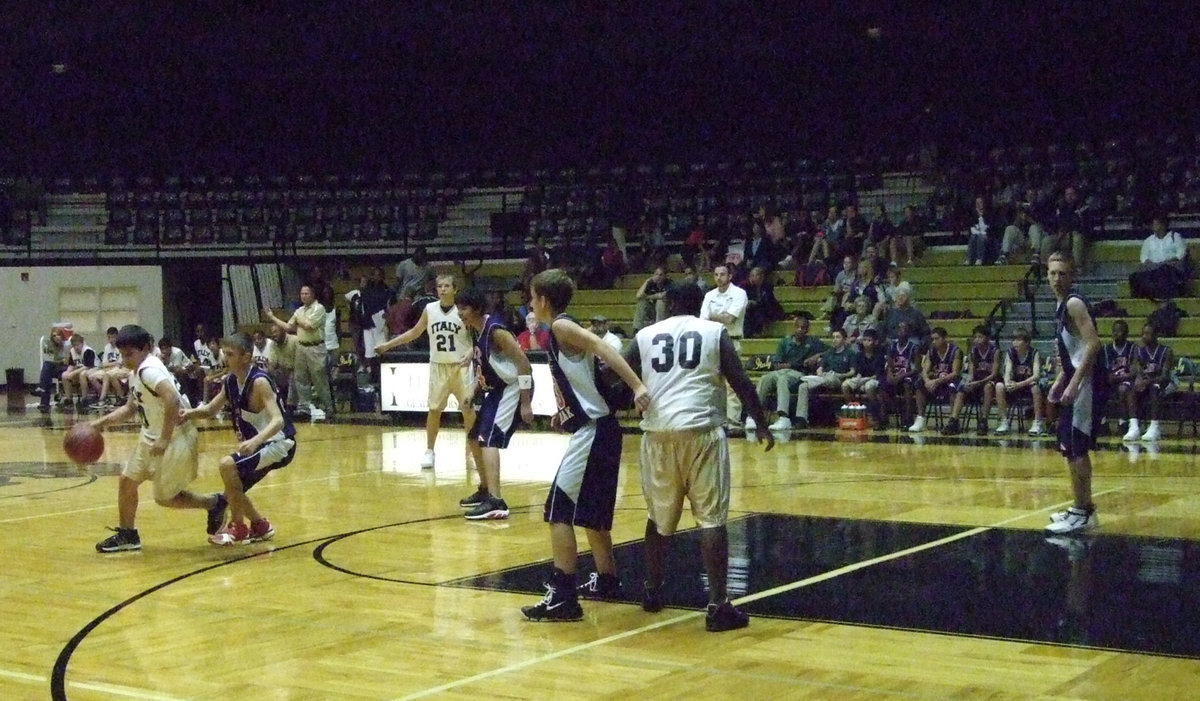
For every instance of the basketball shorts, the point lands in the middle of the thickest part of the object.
(691, 464)
(1025, 392)
(172, 471)
(901, 384)
(497, 418)
(584, 491)
(967, 392)
(446, 379)
(1078, 423)
(862, 384)
(272, 455)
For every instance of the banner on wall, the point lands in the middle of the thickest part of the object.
(404, 384)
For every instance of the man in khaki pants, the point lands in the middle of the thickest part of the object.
(308, 323)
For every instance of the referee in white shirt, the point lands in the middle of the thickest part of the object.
(726, 303)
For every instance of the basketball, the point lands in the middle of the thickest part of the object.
(83, 444)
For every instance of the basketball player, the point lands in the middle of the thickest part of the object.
(1152, 382)
(81, 360)
(1021, 371)
(504, 375)
(685, 362)
(266, 439)
(109, 374)
(166, 450)
(726, 303)
(1120, 369)
(450, 352)
(1078, 391)
(941, 370)
(584, 491)
(983, 375)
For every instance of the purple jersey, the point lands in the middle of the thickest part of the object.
(902, 358)
(943, 363)
(1119, 361)
(1022, 367)
(982, 361)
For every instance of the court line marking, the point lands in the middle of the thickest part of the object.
(784, 588)
(112, 689)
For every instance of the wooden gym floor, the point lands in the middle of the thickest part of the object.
(875, 569)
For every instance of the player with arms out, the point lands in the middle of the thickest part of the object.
(166, 450)
(1078, 391)
(504, 375)
(584, 491)
(685, 362)
(450, 353)
(266, 439)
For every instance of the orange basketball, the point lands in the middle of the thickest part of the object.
(84, 444)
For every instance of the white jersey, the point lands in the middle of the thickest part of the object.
(111, 356)
(79, 358)
(681, 368)
(449, 339)
(731, 301)
(575, 387)
(207, 359)
(149, 403)
(262, 356)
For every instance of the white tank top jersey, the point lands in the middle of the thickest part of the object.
(580, 394)
(79, 357)
(681, 368)
(149, 403)
(449, 339)
(111, 356)
(733, 301)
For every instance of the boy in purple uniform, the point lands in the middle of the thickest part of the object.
(940, 374)
(504, 376)
(903, 370)
(983, 375)
(266, 440)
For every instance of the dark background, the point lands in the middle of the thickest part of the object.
(334, 87)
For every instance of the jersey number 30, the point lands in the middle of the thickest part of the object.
(688, 353)
(445, 343)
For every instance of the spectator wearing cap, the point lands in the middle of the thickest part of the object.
(599, 326)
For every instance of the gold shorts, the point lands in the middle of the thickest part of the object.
(172, 471)
(692, 464)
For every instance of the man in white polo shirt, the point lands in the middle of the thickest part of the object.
(726, 304)
(308, 323)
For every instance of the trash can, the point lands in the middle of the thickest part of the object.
(14, 381)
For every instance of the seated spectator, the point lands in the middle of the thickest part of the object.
(882, 232)
(1023, 366)
(1153, 381)
(81, 360)
(762, 308)
(910, 232)
(903, 311)
(108, 374)
(979, 385)
(1164, 271)
(599, 326)
(854, 238)
(759, 251)
(54, 362)
(795, 355)
(983, 230)
(842, 285)
(1072, 225)
(903, 372)
(800, 230)
(612, 264)
(534, 336)
(695, 245)
(864, 287)
(887, 293)
(1016, 236)
(177, 362)
(689, 275)
(1119, 371)
(861, 320)
(836, 365)
(941, 371)
(213, 365)
(651, 306)
(869, 369)
(828, 239)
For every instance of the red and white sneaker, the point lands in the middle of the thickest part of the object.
(232, 534)
(261, 530)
